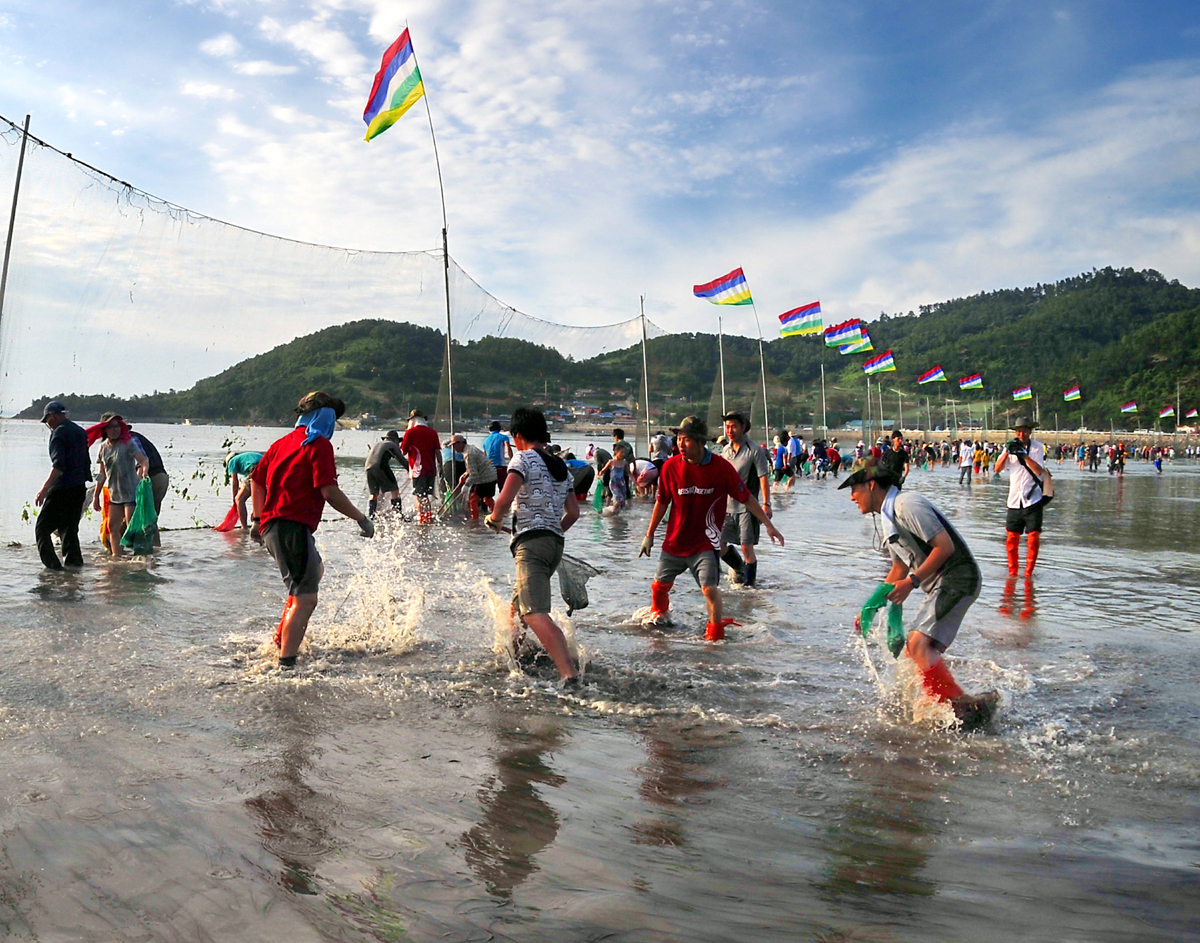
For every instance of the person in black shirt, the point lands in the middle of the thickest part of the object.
(62, 496)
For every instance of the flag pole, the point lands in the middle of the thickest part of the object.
(721, 359)
(762, 362)
(824, 427)
(445, 245)
(645, 371)
(12, 217)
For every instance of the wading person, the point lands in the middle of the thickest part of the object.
(160, 481)
(239, 466)
(122, 463)
(741, 527)
(62, 496)
(381, 480)
(289, 488)
(424, 452)
(499, 449)
(696, 485)
(1025, 459)
(927, 554)
(538, 490)
(480, 475)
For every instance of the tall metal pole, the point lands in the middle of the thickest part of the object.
(12, 217)
(645, 371)
(445, 249)
(879, 390)
(824, 427)
(867, 418)
(762, 362)
(721, 358)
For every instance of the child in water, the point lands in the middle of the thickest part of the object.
(618, 481)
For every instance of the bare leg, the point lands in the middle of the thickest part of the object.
(716, 606)
(116, 529)
(553, 640)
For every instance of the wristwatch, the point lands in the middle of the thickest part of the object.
(916, 580)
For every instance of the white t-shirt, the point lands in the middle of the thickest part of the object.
(540, 502)
(1023, 489)
(966, 455)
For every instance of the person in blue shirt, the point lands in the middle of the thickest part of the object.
(498, 447)
(62, 496)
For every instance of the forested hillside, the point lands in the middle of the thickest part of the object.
(1121, 335)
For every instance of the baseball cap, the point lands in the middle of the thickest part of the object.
(54, 406)
(693, 427)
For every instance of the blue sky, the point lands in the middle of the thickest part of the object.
(875, 155)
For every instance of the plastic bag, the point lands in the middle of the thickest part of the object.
(895, 618)
(573, 575)
(232, 519)
(139, 535)
(598, 497)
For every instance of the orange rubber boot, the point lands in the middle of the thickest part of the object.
(1012, 545)
(940, 684)
(660, 598)
(474, 505)
(279, 628)
(715, 631)
(1033, 543)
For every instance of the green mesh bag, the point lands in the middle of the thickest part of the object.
(895, 618)
(139, 535)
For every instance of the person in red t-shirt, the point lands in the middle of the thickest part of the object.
(697, 483)
(423, 449)
(289, 488)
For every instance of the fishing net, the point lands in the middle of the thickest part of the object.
(573, 575)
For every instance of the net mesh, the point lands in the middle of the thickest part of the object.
(114, 291)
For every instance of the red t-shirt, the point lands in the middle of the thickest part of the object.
(421, 445)
(292, 475)
(698, 493)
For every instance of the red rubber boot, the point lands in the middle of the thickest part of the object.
(279, 628)
(660, 598)
(715, 631)
(1012, 546)
(939, 684)
(1033, 543)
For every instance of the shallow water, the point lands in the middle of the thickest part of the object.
(161, 779)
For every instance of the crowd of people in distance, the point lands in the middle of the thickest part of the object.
(713, 491)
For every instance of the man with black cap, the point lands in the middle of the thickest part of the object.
(696, 484)
(930, 555)
(381, 480)
(1025, 459)
(741, 527)
(62, 496)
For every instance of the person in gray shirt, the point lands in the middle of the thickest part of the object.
(741, 527)
(381, 480)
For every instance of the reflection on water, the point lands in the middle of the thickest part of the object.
(517, 823)
(1023, 609)
(675, 773)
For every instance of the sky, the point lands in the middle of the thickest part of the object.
(874, 155)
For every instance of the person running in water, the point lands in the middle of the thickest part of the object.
(289, 488)
(930, 555)
(381, 480)
(1025, 458)
(540, 487)
(696, 485)
(423, 449)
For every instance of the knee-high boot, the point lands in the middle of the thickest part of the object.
(1012, 546)
(1033, 543)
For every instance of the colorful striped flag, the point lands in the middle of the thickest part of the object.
(399, 68)
(1192, 413)
(936, 375)
(1023, 392)
(862, 347)
(881, 364)
(1129, 408)
(1166, 412)
(1072, 394)
(973, 382)
(729, 289)
(803, 320)
(848, 332)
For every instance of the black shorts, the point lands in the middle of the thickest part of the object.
(423, 486)
(293, 549)
(1022, 520)
(381, 480)
(485, 490)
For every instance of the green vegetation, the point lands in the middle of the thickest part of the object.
(1120, 334)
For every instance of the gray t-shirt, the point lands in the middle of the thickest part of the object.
(911, 522)
(120, 470)
(383, 453)
(751, 463)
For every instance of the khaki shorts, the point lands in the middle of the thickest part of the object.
(741, 528)
(537, 558)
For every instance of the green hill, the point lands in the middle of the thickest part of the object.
(1120, 334)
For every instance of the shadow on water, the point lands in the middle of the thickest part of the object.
(517, 823)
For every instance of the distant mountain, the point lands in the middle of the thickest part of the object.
(1119, 334)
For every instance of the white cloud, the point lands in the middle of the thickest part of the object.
(330, 47)
(223, 45)
(262, 67)
(207, 90)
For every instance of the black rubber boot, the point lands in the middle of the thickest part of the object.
(734, 559)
